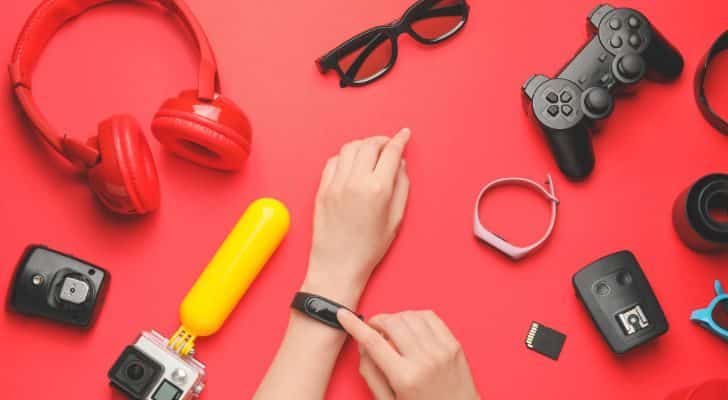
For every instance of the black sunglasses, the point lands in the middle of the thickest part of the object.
(370, 55)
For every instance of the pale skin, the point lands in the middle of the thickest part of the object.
(360, 203)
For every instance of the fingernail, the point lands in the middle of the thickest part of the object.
(405, 132)
(343, 313)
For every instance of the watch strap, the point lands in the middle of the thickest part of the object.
(497, 242)
(319, 308)
(720, 45)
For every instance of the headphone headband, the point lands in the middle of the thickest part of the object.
(46, 20)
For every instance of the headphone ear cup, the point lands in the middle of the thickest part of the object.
(213, 134)
(125, 179)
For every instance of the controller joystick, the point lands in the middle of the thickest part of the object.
(598, 103)
(629, 68)
(624, 49)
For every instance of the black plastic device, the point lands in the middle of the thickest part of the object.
(720, 45)
(319, 308)
(694, 210)
(624, 49)
(620, 300)
(57, 286)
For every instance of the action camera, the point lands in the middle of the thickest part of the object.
(150, 370)
(57, 286)
(157, 368)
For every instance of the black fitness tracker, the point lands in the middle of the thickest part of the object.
(714, 119)
(694, 214)
(319, 308)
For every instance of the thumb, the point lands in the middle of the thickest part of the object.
(375, 379)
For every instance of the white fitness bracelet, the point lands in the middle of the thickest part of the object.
(500, 244)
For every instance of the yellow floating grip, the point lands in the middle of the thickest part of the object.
(227, 277)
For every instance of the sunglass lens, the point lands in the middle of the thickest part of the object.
(439, 20)
(371, 58)
(720, 314)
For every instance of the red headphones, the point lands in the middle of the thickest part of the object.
(199, 125)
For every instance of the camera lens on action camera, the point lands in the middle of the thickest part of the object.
(135, 371)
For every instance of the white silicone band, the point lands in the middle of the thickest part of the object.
(500, 244)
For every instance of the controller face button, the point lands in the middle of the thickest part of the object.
(616, 41)
(615, 23)
(635, 41)
(634, 22)
(567, 110)
(566, 97)
(553, 110)
(552, 98)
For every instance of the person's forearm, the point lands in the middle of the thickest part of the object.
(302, 367)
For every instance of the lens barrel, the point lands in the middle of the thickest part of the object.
(695, 210)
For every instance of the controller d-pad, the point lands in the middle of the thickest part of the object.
(555, 104)
(559, 102)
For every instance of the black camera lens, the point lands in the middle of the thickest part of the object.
(135, 371)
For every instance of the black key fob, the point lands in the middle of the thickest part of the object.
(620, 300)
(57, 286)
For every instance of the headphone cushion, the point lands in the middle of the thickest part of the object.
(213, 134)
(125, 179)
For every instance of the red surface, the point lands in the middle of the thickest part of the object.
(461, 100)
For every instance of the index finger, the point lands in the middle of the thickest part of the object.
(391, 156)
(381, 352)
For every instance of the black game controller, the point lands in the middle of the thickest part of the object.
(624, 49)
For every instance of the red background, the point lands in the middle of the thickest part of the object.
(462, 101)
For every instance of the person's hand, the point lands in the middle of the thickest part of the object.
(359, 205)
(410, 356)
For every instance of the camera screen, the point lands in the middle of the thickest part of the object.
(167, 391)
